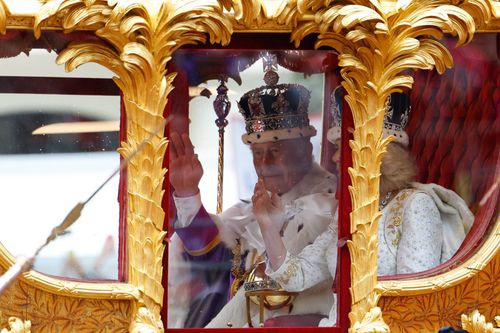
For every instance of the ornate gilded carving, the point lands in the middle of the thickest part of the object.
(371, 322)
(141, 37)
(119, 291)
(17, 325)
(257, 15)
(4, 12)
(376, 40)
(247, 13)
(476, 323)
(427, 312)
(145, 321)
(50, 312)
(377, 44)
(481, 11)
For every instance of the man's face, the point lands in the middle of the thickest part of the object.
(282, 164)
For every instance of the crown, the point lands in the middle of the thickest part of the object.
(336, 111)
(275, 111)
(397, 112)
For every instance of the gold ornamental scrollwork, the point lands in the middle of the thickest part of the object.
(117, 291)
(377, 45)
(248, 13)
(371, 322)
(476, 323)
(17, 325)
(4, 12)
(139, 38)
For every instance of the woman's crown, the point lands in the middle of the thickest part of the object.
(397, 112)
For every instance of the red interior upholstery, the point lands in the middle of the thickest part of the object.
(454, 139)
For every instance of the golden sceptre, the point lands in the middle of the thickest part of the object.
(222, 105)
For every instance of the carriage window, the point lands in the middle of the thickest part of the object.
(56, 147)
(232, 269)
(439, 183)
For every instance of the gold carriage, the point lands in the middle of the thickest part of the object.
(159, 54)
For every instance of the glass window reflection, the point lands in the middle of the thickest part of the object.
(55, 150)
(437, 188)
(275, 141)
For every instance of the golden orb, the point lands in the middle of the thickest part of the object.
(260, 286)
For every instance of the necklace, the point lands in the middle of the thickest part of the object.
(385, 201)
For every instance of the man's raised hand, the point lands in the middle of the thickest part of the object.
(185, 168)
(268, 209)
(269, 212)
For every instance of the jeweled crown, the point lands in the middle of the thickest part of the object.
(397, 112)
(275, 111)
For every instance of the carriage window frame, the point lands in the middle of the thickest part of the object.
(38, 82)
(279, 42)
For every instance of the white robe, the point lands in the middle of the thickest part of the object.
(308, 208)
(419, 229)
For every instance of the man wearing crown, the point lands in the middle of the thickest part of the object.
(278, 134)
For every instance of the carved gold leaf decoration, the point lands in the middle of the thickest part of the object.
(376, 46)
(54, 313)
(476, 323)
(481, 11)
(139, 38)
(449, 309)
(290, 11)
(372, 322)
(430, 311)
(248, 13)
(411, 314)
(4, 12)
(146, 323)
(17, 325)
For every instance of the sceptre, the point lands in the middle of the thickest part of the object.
(222, 105)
